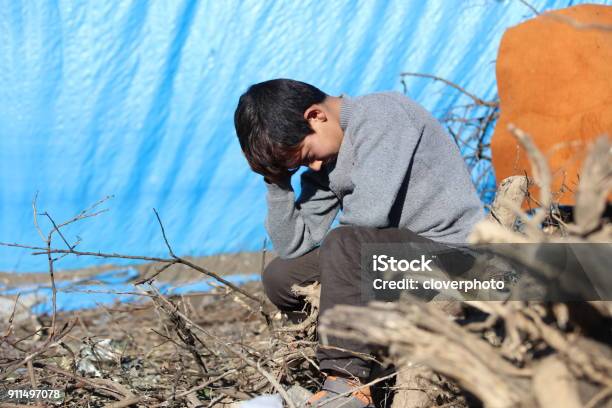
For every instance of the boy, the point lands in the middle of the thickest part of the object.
(384, 161)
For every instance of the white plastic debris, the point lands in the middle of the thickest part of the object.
(97, 356)
(298, 395)
(20, 310)
(263, 401)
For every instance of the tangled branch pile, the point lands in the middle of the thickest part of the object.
(201, 350)
(208, 349)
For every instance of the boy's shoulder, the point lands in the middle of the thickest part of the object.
(388, 100)
(378, 97)
(389, 105)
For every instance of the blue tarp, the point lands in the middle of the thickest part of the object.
(107, 288)
(135, 99)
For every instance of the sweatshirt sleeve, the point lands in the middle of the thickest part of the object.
(296, 227)
(385, 140)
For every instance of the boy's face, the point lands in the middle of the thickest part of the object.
(323, 144)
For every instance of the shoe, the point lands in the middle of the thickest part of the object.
(334, 386)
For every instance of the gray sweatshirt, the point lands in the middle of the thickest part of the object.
(397, 167)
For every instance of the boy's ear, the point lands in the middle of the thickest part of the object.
(315, 112)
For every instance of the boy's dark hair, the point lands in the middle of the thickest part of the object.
(270, 124)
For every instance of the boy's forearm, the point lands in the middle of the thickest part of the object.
(284, 223)
(295, 228)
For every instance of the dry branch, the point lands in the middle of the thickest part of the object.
(430, 338)
(510, 195)
(594, 187)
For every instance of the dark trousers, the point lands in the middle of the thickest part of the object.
(336, 264)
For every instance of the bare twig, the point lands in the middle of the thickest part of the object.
(45, 251)
(149, 279)
(533, 9)
(56, 229)
(53, 287)
(9, 329)
(595, 184)
(35, 216)
(452, 84)
(540, 169)
(86, 213)
(161, 225)
(31, 374)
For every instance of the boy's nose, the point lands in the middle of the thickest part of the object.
(315, 165)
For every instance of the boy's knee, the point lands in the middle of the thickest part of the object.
(341, 241)
(277, 281)
(338, 236)
(272, 278)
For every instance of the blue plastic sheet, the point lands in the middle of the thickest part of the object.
(108, 288)
(135, 99)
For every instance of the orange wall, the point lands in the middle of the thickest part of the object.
(555, 83)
